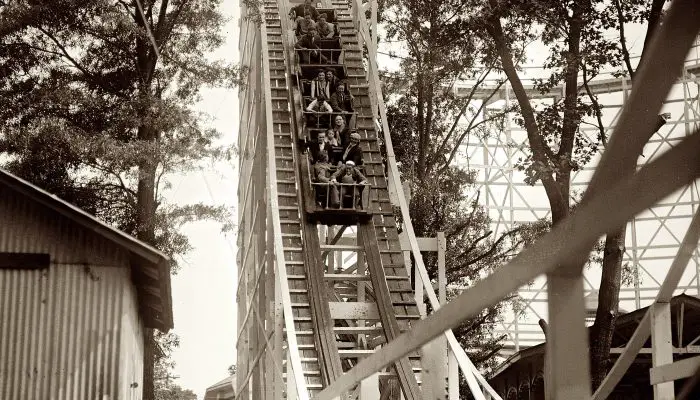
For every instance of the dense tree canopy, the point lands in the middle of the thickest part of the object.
(96, 106)
(81, 78)
(450, 41)
(429, 125)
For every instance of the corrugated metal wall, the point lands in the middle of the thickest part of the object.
(68, 333)
(72, 331)
(131, 356)
(28, 227)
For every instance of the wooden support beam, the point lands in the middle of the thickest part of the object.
(369, 388)
(678, 370)
(368, 239)
(656, 180)
(662, 353)
(640, 335)
(273, 213)
(324, 336)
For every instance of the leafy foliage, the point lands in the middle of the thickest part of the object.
(579, 46)
(77, 84)
(96, 104)
(165, 388)
(430, 121)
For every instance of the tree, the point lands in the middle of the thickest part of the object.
(164, 386)
(578, 51)
(429, 124)
(95, 106)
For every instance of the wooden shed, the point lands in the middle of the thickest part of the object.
(75, 297)
(521, 375)
(222, 390)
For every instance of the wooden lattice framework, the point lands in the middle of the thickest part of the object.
(273, 361)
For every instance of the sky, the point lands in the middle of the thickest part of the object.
(204, 303)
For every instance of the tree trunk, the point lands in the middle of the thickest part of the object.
(652, 23)
(146, 208)
(611, 275)
(608, 304)
(540, 152)
(149, 360)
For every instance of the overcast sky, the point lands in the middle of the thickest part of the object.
(204, 289)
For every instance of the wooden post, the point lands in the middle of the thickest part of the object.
(361, 298)
(442, 275)
(433, 372)
(291, 387)
(567, 350)
(662, 349)
(369, 388)
(278, 352)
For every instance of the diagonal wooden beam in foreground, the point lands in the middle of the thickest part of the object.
(613, 199)
(671, 171)
(567, 342)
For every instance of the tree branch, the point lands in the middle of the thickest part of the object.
(493, 248)
(623, 41)
(65, 52)
(596, 105)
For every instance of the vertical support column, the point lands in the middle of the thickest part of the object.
(452, 366)
(567, 338)
(331, 255)
(369, 388)
(662, 349)
(255, 342)
(260, 386)
(361, 298)
(433, 372)
(279, 322)
(442, 275)
(273, 372)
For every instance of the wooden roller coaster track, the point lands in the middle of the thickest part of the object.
(307, 332)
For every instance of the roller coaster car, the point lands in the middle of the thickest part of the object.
(351, 210)
(332, 50)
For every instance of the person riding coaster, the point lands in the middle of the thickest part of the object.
(352, 187)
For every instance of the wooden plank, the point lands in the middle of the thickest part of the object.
(662, 349)
(324, 336)
(678, 370)
(368, 239)
(656, 180)
(353, 310)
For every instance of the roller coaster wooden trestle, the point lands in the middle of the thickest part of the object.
(308, 333)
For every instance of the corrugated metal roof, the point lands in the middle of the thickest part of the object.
(222, 390)
(150, 267)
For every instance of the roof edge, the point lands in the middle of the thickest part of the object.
(88, 221)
